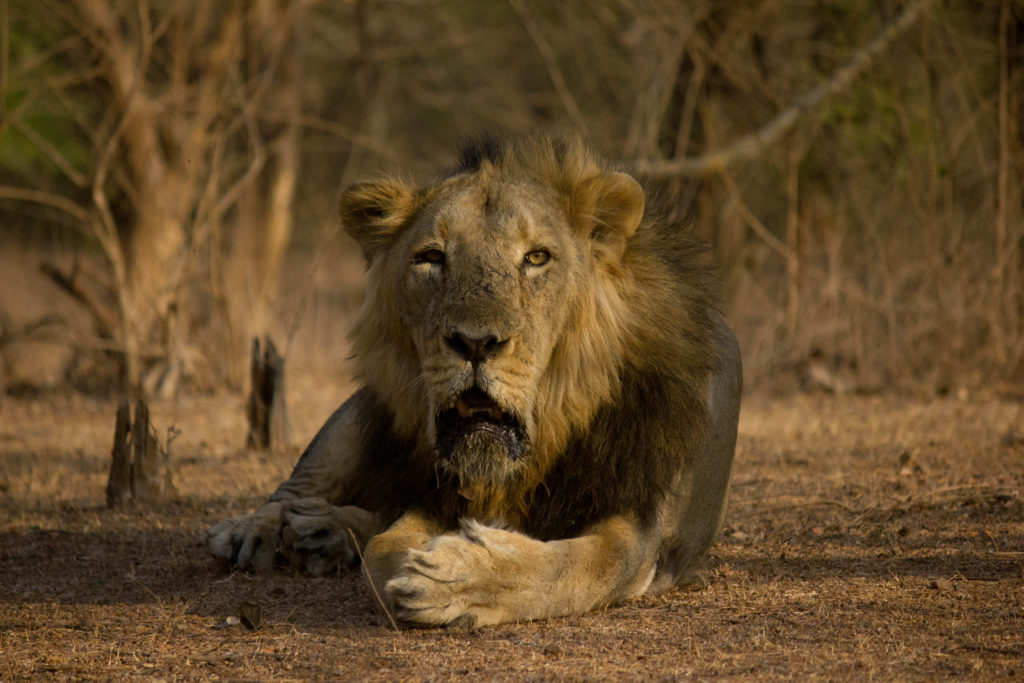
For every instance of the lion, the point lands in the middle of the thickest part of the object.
(548, 406)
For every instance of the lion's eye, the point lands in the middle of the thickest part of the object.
(434, 256)
(537, 257)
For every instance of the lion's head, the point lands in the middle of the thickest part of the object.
(494, 320)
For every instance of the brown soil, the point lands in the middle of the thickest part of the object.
(868, 537)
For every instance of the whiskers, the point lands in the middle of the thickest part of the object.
(421, 378)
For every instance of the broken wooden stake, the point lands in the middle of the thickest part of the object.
(139, 463)
(266, 409)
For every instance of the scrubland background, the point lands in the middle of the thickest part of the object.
(168, 171)
(168, 178)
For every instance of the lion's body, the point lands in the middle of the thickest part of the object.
(550, 398)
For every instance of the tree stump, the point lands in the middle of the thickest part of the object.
(266, 409)
(139, 464)
(151, 472)
(119, 482)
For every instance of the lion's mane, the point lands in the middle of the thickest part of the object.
(639, 344)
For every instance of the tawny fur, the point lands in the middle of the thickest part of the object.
(611, 356)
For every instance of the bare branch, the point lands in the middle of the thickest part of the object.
(330, 127)
(689, 108)
(259, 158)
(5, 53)
(753, 221)
(27, 64)
(752, 145)
(51, 151)
(551, 63)
(46, 199)
(107, 320)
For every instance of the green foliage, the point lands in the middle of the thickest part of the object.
(36, 99)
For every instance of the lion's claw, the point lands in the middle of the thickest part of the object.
(249, 541)
(446, 584)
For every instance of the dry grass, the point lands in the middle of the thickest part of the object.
(868, 538)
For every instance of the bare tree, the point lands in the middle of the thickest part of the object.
(167, 97)
(856, 168)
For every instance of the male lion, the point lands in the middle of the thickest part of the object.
(549, 403)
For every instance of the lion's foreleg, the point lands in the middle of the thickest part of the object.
(484, 575)
(312, 508)
(387, 552)
(318, 536)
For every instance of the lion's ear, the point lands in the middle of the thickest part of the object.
(616, 203)
(372, 213)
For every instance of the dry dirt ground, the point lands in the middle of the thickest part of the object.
(868, 537)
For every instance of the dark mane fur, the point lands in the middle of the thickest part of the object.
(489, 147)
(625, 460)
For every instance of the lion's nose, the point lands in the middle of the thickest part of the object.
(475, 349)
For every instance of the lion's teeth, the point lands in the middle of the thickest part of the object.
(463, 408)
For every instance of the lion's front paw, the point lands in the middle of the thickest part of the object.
(317, 535)
(248, 541)
(458, 580)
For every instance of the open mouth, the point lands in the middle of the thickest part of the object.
(476, 415)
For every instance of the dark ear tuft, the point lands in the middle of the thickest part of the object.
(484, 148)
(372, 212)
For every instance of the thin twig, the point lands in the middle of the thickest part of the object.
(551, 63)
(50, 150)
(961, 487)
(105, 319)
(369, 578)
(753, 221)
(818, 503)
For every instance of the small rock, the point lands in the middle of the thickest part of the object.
(232, 621)
(942, 585)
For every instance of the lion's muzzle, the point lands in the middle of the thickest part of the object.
(478, 438)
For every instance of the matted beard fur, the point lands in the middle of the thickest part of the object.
(480, 443)
(479, 459)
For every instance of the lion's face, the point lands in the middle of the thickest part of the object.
(485, 271)
(477, 287)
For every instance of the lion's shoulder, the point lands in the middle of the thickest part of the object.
(626, 461)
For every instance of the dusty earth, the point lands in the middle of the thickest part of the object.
(868, 537)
